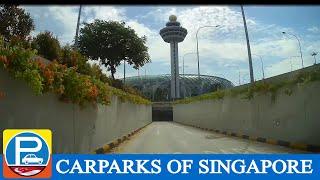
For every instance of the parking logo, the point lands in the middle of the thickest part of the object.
(27, 153)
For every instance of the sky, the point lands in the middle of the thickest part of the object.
(222, 50)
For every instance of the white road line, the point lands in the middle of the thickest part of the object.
(188, 132)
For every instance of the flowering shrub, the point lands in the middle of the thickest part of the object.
(53, 76)
(3, 61)
(102, 91)
(66, 82)
(2, 95)
(81, 89)
(32, 76)
(18, 61)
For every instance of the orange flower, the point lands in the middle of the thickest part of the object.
(64, 66)
(49, 75)
(87, 82)
(2, 95)
(40, 64)
(93, 92)
(4, 60)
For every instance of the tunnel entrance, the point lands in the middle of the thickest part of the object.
(162, 111)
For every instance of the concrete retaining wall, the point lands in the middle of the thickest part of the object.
(294, 118)
(75, 129)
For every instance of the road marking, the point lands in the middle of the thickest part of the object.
(188, 132)
(171, 137)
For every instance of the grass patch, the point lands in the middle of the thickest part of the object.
(262, 88)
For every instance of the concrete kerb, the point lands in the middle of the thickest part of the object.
(292, 145)
(108, 147)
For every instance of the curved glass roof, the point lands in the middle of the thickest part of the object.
(157, 87)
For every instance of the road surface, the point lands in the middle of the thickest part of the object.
(170, 137)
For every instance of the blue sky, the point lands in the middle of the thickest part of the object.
(222, 50)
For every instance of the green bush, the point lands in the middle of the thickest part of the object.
(32, 76)
(18, 61)
(47, 45)
(73, 58)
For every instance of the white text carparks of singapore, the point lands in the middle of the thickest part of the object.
(184, 166)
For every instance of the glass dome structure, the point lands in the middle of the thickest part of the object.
(157, 87)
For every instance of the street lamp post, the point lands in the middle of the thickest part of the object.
(183, 61)
(244, 77)
(314, 56)
(248, 45)
(299, 45)
(145, 73)
(77, 30)
(124, 72)
(290, 65)
(239, 72)
(183, 67)
(183, 81)
(262, 68)
(239, 76)
(222, 75)
(291, 60)
(198, 45)
(270, 66)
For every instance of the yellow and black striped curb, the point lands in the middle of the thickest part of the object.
(299, 146)
(108, 147)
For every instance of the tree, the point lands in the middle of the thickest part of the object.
(15, 22)
(112, 42)
(47, 45)
(68, 56)
(71, 57)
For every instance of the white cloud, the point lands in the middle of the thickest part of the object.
(67, 16)
(276, 47)
(283, 66)
(225, 44)
(61, 20)
(288, 64)
(217, 46)
(103, 12)
(229, 20)
(314, 29)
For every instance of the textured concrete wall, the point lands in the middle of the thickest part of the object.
(75, 129)
(294, 118)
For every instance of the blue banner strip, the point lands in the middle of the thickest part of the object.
(186, 166)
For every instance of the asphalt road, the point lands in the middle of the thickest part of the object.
(170, 137)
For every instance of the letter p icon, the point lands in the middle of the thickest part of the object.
(33, 149)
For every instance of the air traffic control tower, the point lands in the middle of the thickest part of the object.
(173, 33)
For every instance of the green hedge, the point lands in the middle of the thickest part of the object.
(261, 87)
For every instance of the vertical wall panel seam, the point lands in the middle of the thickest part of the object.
(74, 132)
